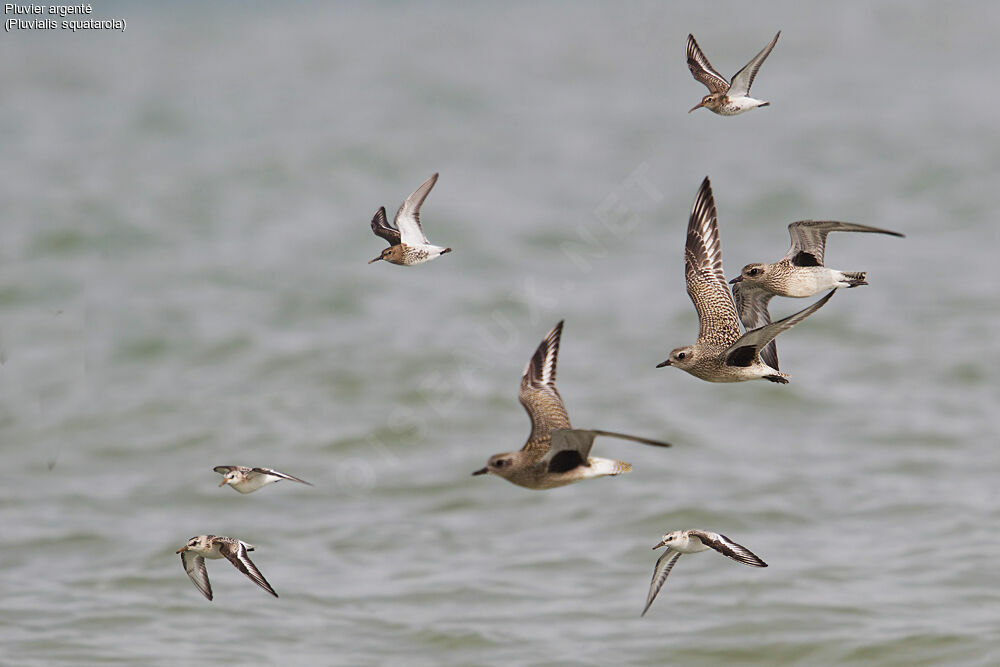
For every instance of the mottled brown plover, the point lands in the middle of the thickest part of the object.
(680, 542)
(800, 273)
(407, 243)
(720, 353)
(194, 553)
(555, 454)
(726, 98)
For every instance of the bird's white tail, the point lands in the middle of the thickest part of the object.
(601, 467)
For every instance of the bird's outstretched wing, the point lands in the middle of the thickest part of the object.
(702, 70)
(236, 553)
(751, 302)
(279, 475)
(539, 395)
(742, 352)
(743, 79)
(719, 325)
(571, 446)
(408, 216)
(194, 565)
(664, 564)
(809, 239)
(727, 547)
(382, 227)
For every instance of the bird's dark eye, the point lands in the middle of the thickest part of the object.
(754, 272)
(501, 463)
(681, 355)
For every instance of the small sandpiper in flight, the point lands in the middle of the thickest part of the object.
(194, 553)
(555, 454)
(720, 353)
(726, 98)
(800, 273)
(680, 542)
(248, 480)
(407, 243)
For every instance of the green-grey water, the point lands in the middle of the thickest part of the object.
(183, 284)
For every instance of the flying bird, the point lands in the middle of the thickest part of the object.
(555, 454)
(248, 480)
(408, 245)
(721, 354)
(680, 542)
(197, 549)
(800, 273)
(724, 97)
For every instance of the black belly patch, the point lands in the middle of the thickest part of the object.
(741, 356)
(566, 460)
(803, 258)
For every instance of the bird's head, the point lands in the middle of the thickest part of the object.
(231, 477)
(751, 274)
(668, 539)
(393, 253)
(499, 464)
(682, 357)
(709, 102)
(199, 543)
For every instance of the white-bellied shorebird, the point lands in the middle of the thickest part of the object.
(197, 549)
(408, 245)
(248, 480)
(726, 98)
(680, 542)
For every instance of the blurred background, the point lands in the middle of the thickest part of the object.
(183, 284)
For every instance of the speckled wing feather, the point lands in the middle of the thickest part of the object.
(382, 227)
(719, 325)
(809, 239)
(194, 565)
(758, 338)
(743, 79)
(702, 70)
(408, 216)
(751, 303)
(664, 564)
(538, 393)
(727, 547)
(236, 553)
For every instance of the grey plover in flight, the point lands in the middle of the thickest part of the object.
(555, 454)
(724, 97)
(720, 353)
(680, 542)
(248, 480)
(800, 273)
(407, 243)
(197, 549)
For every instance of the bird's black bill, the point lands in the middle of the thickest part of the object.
(375, 260)
(663, 363)
(737, 279)
(481, 472)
